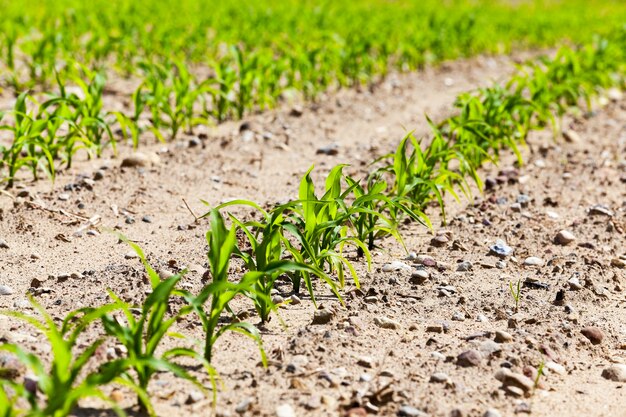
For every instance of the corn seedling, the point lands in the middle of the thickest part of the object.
(516, 292)
(64, 383)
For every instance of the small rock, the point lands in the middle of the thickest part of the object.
(469, 358)
(131, 255)
(439, 241)
(492, 412)
(322, 316)
(194, 397)
(501, 249)
(294, 300)
(64, 197)
(139, 159)
(618, 263)
(501, 264)
(489, 348)
(366, 362)
(244, 406)
(356, 412)
(615, 372)
(574, 284)
(285, 410)
(594, 334)
(296, 111)
(426, 260)
(571, 136)
(408, 411)
(314, 402)
(146, 219)
(386, 323)
(439, 377)
(512, 379)
(600, 210)
(419, 276)
(395, 266)
(4, 244)
(464, 266)
(6, 290)
(533, 261)
(503, 337)
(555, 367)
(434, 328)
(332, 149)
(98, 175)
(10, 367)
(458, 316)
(564, 237)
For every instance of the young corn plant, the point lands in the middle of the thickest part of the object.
(266, 260)
(320, 226)
(29, 148)
(67, 380)
(516, 293)
(142, 337)
(220, 292)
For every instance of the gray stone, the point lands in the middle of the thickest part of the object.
(6, 290)
(194, 397)
(395, 266)
(615, 372)
(139, 159)
(408, 411)
(419, 276)
(285, 410)
(533, 261)
(501, 249)
(464, 266)
(492, 412)
(386, 323)
(322, 316)
(4, 244)
(600, 210)
(564, 237)
(439, 377)
(469, 358)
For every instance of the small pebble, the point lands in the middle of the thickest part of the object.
(503, 337)
(6, 290)
(285, 410)
(564, 237)
(395, 266)
(3, 244)
(615, 372)
(64, 197)
(492, 412)
(322, 316)
(439, 377)
(464, 266)
(469, 358)
(408, 411)
(146, 219)
(594, 334)
(533, 261)
(419, 276)
(386, 323)
(501, 249)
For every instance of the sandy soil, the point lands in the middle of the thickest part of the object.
(352, 366)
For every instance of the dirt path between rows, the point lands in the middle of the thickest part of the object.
(455, 304)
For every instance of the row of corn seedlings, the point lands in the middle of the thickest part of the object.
(303, 240)
(292, 44)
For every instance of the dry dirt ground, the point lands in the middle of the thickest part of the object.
(353, 365)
